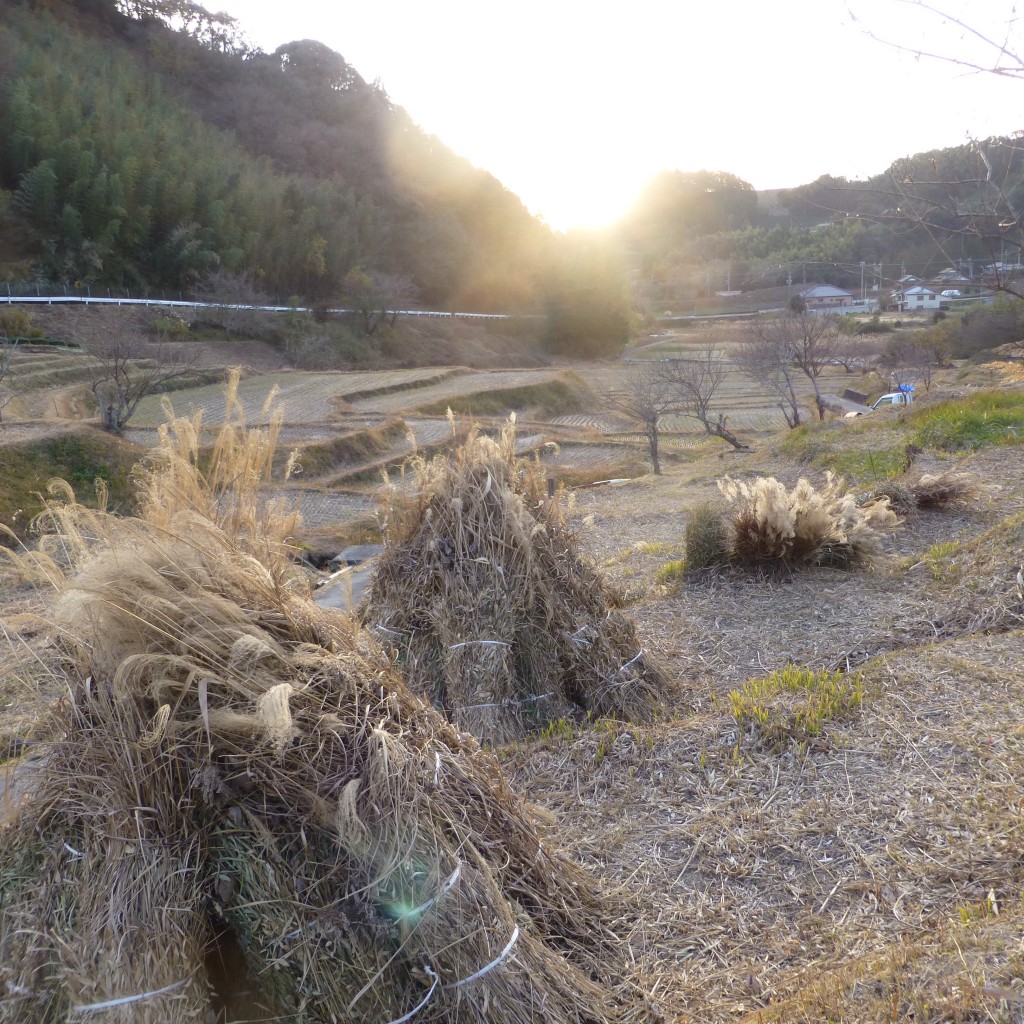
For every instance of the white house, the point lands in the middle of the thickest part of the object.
(917, 299)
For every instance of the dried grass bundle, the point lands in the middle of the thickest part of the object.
(234, 757)
(500, 622)
(769, 523)
(941, 490)
(901, 498)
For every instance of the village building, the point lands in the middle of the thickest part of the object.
(826, 296)
(916, 299)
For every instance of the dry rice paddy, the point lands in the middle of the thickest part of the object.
(874, 873)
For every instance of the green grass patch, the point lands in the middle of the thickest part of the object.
(839, 447)
(966, 424)
(80, 458)
(940, 558)
(672, 572)
(795, 704)
(873, 466)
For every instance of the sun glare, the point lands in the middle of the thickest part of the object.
(575, 108)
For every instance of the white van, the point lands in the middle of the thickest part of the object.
(894, 398)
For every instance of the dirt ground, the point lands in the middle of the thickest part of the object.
(872, 872)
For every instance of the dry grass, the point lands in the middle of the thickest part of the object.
(705, 537)
(869, 872)
(838, 880)
(943, 489)
(499, 621)
(233, 758)
(769, 523)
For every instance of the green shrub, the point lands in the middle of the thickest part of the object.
(705, 537)
(771, 524)
(17, 323)
(987, 326)
(795, 703)
(874, 326)
(170, 327)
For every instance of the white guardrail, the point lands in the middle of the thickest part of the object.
(84, 300)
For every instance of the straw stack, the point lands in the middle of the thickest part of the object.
(233, 760)
(498, 620)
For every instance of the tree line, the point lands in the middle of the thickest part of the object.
(692, 232)
(144, 143)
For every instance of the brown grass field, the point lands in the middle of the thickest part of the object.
(870, 872)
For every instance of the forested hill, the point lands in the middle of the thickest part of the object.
(695, 232)
(136, 154)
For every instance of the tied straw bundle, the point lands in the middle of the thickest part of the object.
(499, 621)
(235, 766)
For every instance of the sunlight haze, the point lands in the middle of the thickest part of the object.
(574, 106)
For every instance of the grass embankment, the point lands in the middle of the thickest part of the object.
(321, 458)
(874, 448)
(566, 394)
(80, 457)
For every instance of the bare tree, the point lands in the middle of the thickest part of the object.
(973, 208)
(807, 342)
(915, 358)
(122, 371)
(647, 397)
(696, 382)
(766, 357)
(7, 349)
(235, 304)
(676, 387)
(377, 297)
(855, 352)
(814, 340)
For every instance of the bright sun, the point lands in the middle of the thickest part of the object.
(575, 106)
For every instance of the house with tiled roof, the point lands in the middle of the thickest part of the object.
(826, 296)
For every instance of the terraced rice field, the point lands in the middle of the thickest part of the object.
(582, 421)
(33, 370)
(326, 508)
(305, 397)
(454, 387)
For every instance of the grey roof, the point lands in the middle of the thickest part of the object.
(825, 291)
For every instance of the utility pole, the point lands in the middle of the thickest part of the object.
(862, 280)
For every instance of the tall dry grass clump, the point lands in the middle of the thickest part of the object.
(704, 537)
(499, 621)
(768, 523)
(235, 761)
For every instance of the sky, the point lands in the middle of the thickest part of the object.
(575, 104)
